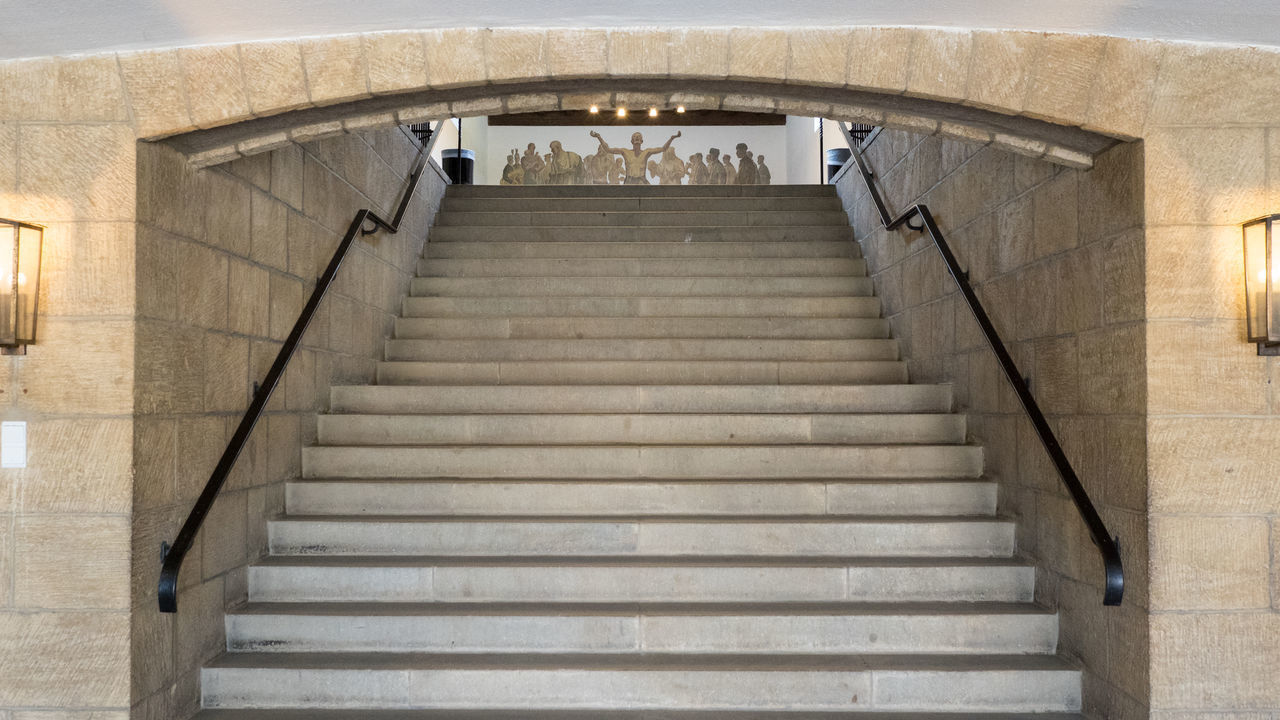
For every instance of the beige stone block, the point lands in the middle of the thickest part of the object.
(214, 84)
(967, 133)
(213, 156)
(6, 563)
(8, 160)
(1111, 370)
(640, 53)
(75, 172)
(1125, 87)
(287, 300)
(169, 372)
(699, 53)
(264, 143)
(199, 628)
(1000, 69)
(532, 102)
(1216, 85)
(51, 572)
(748, 103)
(64, 659)
(269, 231)
(1056, 215)
(1213, 176)
(1191, 571)
(274, 79)
(1124, 278)
(57, 478)
(228, 227)
(1195, 272)
(476, 108)
(1067, 157)
(856, 114)
(87, 269)
(286, 176)
(71, 715)
(1213, 465)
(577, 53)
(304, 238)
(249, 298)
(910, 123)
(880, 59)
(335, 69)
(155, 457)
(254, 169)
(939, 64)
(27, 88)
(515, 55)
(1065, 71)
(156, 84)
(1215, 661)
(90, 89)
(372, 121)
(1020, 145)
(224, 534)
(455, 58)
(285, 454)
(758, 54)
(226, 373)
(397, 61)
(818, 56)
(317, 131)
(1057, 375)
(79, 366)
(201, 441)
(1203, 367)
(202, 286)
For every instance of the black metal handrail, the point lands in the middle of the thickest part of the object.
(1108, 546)
(173, 555)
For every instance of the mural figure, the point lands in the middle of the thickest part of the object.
(764, 177)
(698, 173)
(715, 169)
(671, 170)
(617, 172)
(598, 167)
(533, 165)
(634, 158)
(747, 172)
(730, 173)
(513, 162)
(564, 167)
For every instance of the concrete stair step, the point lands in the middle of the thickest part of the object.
(640, 429)
(643, 306)
(642, 372)
(648, 462)
(639, 191)
(641, 204)
(748, 349)
(618, 234)
(644, 286)
(641, 327)
(781, 628)
(436, 249)
(526, 714)
(770, 398)
(678, 219)
(638, 579)
(574, 266)
(650, 537)
(656, 681)
(486, 497)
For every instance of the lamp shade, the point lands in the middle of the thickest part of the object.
(20, 245)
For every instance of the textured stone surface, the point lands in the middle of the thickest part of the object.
(1193, 573)
(1215, 660)
(940, 61)
(336, 69)
(638, 54)
(758, 55)
(64, 659)
(274, 78)
(455, 57)
(155, 83)
(214, 84)
(397, 61)
(885, 68)
(699, 53)
(515, 55)
(50, 572)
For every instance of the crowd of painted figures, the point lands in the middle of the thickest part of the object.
(633, 165)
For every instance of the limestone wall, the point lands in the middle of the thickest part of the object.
(1056, 257)
(226, 258)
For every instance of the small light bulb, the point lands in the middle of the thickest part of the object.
(680, 109)
(653, 112)
(622, 112)
(594, 109)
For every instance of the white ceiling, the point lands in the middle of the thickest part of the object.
(31, 28)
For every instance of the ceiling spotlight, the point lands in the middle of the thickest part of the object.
(594, 109)
(653, 112)
(680, 109)
(622, 112)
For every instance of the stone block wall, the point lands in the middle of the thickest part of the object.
(1056, 256)
(226, 258)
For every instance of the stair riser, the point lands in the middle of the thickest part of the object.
(623, 372)
(938, 538)
(461, 350)
(643, 399)
(678, 249)
(745, 462)
(644, 286)
(642, 204)
(628, 499)
(625, 327)
(727, 220)
(558, 307)
(639, 429)
(698, 584)
(755, 634)
(642, 267)
(639, 191)
(472, 233)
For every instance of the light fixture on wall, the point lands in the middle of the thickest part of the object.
(680, 109)
(594, 109)
(622, 112)
(653, 112)
(1262, 283)
(19, 284)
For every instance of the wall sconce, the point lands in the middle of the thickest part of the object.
(1262, 283)
(19, 284)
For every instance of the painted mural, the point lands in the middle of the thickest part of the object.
(633, 164)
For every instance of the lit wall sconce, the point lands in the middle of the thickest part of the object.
(19, 284)
(622, 112)
(653, 112)
(1262, 283)
(594, 109)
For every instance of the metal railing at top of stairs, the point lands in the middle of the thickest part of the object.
(173, 555)
(1108, 546)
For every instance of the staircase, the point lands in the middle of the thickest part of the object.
(641, 452)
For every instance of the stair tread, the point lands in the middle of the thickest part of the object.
(606, 714)
(723, 561)
(829, 519)
(711, 609)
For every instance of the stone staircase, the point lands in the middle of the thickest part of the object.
(641, 453)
